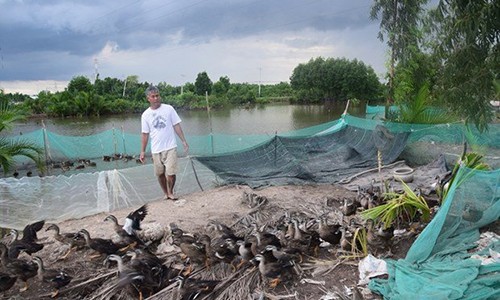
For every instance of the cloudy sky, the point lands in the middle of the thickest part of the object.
(43, 44)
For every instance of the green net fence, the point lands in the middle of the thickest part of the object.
(325, 153)
(448, 261)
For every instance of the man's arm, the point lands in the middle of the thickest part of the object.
(180, 134)
(144, 143)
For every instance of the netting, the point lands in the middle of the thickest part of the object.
(442, 263)
(325, 153)
(323, 156)
(59, 198)
(445, 260)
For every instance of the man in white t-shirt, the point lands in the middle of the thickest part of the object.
(161, 123)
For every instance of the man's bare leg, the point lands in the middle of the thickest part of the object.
(170, 186)
(162, 179)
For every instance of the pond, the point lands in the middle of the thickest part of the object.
(265, 119)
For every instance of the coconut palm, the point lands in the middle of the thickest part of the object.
(420, 110)
(9, 148)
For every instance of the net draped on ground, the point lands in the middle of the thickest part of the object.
(437, 266)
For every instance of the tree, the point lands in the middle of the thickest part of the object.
(130, 85)
(410, 77)
(79, 84)
(335, 79)
(109, 86)
(39, 104)
(469, 52)
(222, 86)
(9, 148)
(203, 84)
(399, 20)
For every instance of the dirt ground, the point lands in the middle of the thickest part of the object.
(323, 277)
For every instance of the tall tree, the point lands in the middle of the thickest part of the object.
(222, 86)
(399, 20)
(468, 35)
(79, 84)
(335, 79)
(203, 84)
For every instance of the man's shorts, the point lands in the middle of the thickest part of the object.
(165, 162)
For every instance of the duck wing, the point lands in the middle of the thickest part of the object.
(30, 230)
(133, 220)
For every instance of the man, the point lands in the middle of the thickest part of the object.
(159, 122)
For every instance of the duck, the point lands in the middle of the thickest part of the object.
(80, 167)
(345, 240)
(349, 207)
(90, 163)
(22, 269)
(134, 219)
(102, 246)
(224, 231)
(308, 242)
(386, 234)
(135, 282)
(225, 251)
(264, 238)
(30, 230)
(56, 278)
(152, 267)
(190, 288)
(364, 199)
(28, 243)
(329, 232)
(276, 272)
(6, 281)
(73, 239)
(373, 240)
(197, 252)
(244, 252)
(123, 238)
(178, 236)
(284, 254)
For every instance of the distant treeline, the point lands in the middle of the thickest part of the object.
(314, 82)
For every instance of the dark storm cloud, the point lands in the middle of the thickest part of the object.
(54, 33)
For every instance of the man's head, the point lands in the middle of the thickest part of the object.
(152, 89)
(153, 95)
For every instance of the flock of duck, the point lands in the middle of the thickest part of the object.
(80, 164)
(275, 251)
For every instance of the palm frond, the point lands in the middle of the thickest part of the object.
(9, 149)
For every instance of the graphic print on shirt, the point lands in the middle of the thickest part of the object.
(159, 122)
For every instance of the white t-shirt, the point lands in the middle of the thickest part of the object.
(159, 123)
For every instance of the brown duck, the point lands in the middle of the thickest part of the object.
(73, 239)
(329, 232)
(102, 246)
(23, 270)
(275, 272)
(57, 279)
